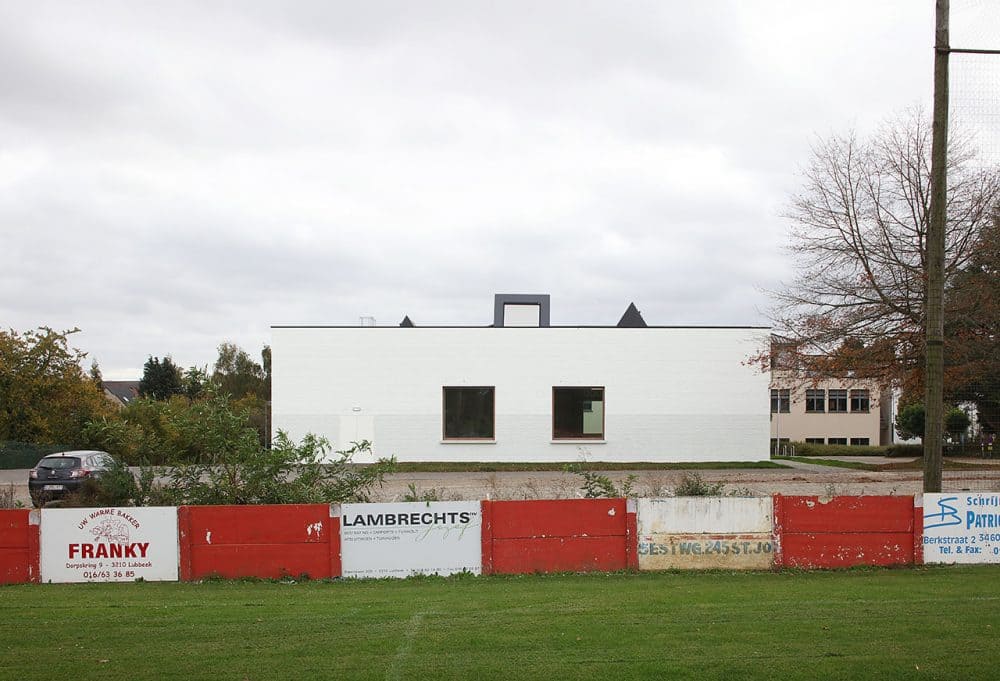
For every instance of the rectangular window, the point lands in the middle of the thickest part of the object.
(836, 440)
(781, 447)
(838, 401)
(780, 400)
(577, 413)
(860, 400)
(469, 413)
(815, 401)
(860, 441)
(814, 440)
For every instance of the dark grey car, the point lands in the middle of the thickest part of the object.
(63, 473)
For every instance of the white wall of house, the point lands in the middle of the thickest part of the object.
(671, 394)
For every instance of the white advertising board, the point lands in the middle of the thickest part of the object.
(399, 540)
(691, 533)
(961, 528)
(108, 544)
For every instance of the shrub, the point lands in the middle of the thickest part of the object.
(119, 486)
(904, 451)
(8, 497)
(810, 449)
(693, 485)
(288, 473)
(598, 486)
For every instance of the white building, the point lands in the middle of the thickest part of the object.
(522, 390)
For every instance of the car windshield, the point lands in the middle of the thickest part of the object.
(59, 462)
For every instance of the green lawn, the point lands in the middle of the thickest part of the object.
(922, 623)
(893, 466)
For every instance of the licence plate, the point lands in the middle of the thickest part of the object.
(52, 488)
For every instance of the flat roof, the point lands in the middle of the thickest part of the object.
(509, 328)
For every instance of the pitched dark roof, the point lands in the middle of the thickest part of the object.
(406, 322)
(632, 319)
(124, 391)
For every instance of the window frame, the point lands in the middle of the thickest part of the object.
(444, 414)
(781, 400)
(840, 441)
(857, 442)
(841, 394)
(860, 394)
(813, 394)
(593, 437)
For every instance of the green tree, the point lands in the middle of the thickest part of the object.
(236, 373)
(956, 422)
(972, 331)
(246, 383)
(95, 374)
(910, 421)
(196, 381)
(160, 379)
(45, 395)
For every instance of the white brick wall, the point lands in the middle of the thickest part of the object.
(670, 394)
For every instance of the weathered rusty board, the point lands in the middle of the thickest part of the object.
(699, 533)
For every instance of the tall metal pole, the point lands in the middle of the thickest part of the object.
(934, 377)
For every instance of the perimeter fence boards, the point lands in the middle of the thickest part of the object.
(18, 546)
(567, 535)
(411, 538)
(961, 528)
(269, 542)
(692, 533)
(837, 532)
(109, 544)
(495, 537)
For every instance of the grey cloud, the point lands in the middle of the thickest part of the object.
(177, 175)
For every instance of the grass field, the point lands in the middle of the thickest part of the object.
(892, 466)
(939, 622)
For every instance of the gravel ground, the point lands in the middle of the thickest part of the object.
(799, 478)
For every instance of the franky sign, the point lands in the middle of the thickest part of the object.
(961, 528)
(403, 539)
(108, 544)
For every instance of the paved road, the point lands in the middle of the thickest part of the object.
(798, 478)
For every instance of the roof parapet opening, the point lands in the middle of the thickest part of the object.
(521, 309)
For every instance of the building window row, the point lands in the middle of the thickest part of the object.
(818, 401)
(469, 413)
(854, 441)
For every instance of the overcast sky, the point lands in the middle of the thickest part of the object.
(174, 175)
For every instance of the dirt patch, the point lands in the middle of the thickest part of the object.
(817, 481)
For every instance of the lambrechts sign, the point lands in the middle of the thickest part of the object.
(108, 544)
(399, 540)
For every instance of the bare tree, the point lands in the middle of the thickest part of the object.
(858, 237)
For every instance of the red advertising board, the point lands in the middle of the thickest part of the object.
(18, 546)
(259, 541)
